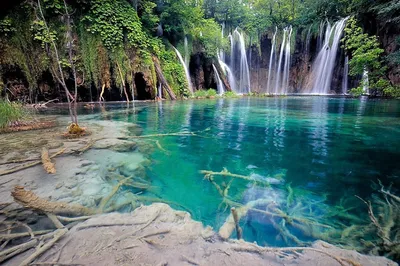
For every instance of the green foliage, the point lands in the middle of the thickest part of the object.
(356, 92)
(365, 54)
(392, 91)
(10, 112)
(210, 93)
(230, 94)
(114, 20)
(174, 72)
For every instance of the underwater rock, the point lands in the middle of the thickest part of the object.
(270, 180)
(125, 147)
(134, 130)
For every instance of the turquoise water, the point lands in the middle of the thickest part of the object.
(325, 150)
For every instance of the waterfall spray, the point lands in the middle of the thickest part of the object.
(324, 64)
(186, 70)
(271, 58)
(220, 85)
(345, 80)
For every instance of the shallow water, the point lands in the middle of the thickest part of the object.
(326, 149)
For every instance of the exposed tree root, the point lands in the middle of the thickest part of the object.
(260, 250)
(30, 200)
(47, 164)
(134, 232)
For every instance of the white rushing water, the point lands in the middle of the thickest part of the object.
(322, 70)
(271, 60)
(286, 67)
(228, 72)
(282, 75)
(160, 91)
(186, 51)
(365, 82)
(278, 70)
(345, 80)
(186, 70)
(220, 85)
(237, 41)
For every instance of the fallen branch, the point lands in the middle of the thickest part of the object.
(19, 235)
(56, 236)
(86, 226)
(73, 219)
(225, 172)
(236, 220)
(25, 166)
(55, 220)
(115, 189)
(13, 251)
(47, 164)
(30, 200)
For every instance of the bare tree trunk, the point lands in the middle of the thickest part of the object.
(71, 62)
(123, 82)
(162, 79)
(101, 93)
(60, 78)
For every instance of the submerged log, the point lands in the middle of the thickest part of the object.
(30, 200)
(47, 164)
(162, 80)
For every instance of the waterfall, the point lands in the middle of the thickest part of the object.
(160, 91)
(278, 70)
(308, 40)
(286, 67)
(271, 58)
(237, 40)
(345, 80)
(220, 85)
(186, 70)
(365, 82)
(186, 52)
(324, 64)
(228, 72)
(221, 52)
(320, 34)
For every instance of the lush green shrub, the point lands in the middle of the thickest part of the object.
(392, 91)
(10, 112)
(230, 94)
(210, 93)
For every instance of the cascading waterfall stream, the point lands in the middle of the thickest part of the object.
(365, 81)
(271, 59)
(228, 72)
(345, 80)
(237, 40)
(186, 70)
(186, 51)
(324, 64)
(278, 70)
(286, 67)
(220, 85)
